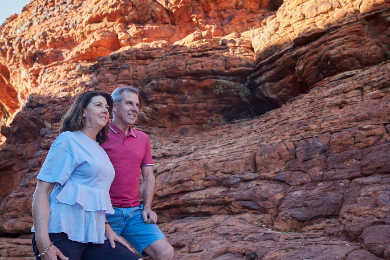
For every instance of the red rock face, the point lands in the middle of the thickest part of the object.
(269, 120)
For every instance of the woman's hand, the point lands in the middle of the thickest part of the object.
(52, 253)
(112, 237)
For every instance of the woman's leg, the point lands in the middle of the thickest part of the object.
(71, 249)
(106, 252)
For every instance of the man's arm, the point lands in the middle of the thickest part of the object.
(147, 193)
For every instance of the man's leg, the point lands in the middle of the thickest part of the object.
(116, 220)
(141, 236)
(160, 250)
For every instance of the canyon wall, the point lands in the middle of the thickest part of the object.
(269, 120)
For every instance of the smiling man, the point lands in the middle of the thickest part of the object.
(130, 154)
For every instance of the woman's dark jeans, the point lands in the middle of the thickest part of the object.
(86, 251)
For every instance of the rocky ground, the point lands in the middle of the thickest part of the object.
(269, 120)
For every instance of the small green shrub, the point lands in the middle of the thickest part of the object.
(216, 120)
(243, 90)
(219, 89)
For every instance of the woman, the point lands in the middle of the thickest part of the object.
(72, 193)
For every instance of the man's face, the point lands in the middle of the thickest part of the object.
(126, 112)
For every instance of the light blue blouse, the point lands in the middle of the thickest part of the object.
(80, 199)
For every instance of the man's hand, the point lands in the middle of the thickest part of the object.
(149, 216)
(112, 237)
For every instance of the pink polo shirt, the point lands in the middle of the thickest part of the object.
(127, 155)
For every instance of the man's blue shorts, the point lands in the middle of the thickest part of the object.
(129, 224)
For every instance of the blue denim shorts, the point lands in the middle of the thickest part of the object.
(129, 224)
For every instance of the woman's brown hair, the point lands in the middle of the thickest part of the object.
(73, 120)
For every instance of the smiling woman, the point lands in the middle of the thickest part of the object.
(11, 7)
(95, 116)
(89, 114)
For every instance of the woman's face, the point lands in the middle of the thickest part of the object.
(96, 113)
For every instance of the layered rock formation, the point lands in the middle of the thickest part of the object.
(269, 120)
(314, 167)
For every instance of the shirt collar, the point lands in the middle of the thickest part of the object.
(116, 130)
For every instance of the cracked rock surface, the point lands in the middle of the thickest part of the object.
(269, 120)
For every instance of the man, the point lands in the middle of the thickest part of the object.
(130, 152)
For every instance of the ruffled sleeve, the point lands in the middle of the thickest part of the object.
(90, 199)
(58, 166)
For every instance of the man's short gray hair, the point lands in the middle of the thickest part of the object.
(117, 93)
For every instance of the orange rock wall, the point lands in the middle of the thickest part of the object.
(295, 168)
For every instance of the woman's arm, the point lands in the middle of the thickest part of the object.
(41, 213)
(41, 216)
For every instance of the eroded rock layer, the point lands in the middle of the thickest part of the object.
(318, 165)
(269, 120)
